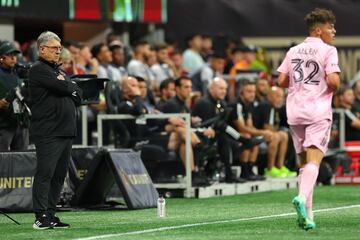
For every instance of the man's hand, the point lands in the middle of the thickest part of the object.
(196, 121)
(93, 62)
(268, 135)
(333, 80)
(209, 132)
(4, 104)
(61, 77)
(176, 121)
(283, 80)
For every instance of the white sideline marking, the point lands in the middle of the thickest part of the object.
(208, 223)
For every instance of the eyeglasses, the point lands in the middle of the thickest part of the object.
(54, 48)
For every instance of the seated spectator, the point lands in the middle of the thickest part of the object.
(202, 77)
(74, 48)
(356, 91)
(86, 61)
(211, 108)
(231, 44)
(260, 61)
(241, 118)
(206, 47)
(352, 115)
(267, 117)
(262, 90)
(67, 61)
(240, 63)
(163, 69)
(118, 71)
(177, 104)
(103, 55)
(167, 91)
(132, 103)
(177, 58)
(150, 107)
(138, 65)
(192, 59)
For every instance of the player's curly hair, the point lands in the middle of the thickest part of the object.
(319, 15)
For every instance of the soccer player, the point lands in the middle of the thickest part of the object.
(310, 71)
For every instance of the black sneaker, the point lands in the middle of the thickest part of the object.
(233, 179)
(56, 223)
(42, 222)
(199, 180)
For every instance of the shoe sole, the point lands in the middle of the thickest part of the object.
(300, 210)
(38, 228)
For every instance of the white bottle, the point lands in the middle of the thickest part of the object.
(161, 207)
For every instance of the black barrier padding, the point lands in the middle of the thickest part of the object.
(80, 162)
(133, 179)
(96, 184)
(17, 170)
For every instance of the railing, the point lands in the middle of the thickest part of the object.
(188, 180)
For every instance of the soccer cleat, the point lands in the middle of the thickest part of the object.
(308, 224)
(274, 172)
(299, 205)
(42, 222)
(287, 172)
(56, 223)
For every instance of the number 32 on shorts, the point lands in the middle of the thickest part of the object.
(299, 74)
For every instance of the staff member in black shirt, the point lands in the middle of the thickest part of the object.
(177, 104)
(241, 118)
(210, 107)
(52, 128)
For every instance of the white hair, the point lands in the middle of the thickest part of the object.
(216, 80)
(45, 37)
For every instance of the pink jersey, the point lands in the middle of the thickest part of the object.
(309, 96)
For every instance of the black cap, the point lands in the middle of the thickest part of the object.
(7, 47)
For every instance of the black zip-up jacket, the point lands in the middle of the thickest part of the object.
(8, 81)
(53, 101)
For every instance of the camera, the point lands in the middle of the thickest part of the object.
(22, 70)
(91, 86)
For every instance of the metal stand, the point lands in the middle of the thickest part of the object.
(10, 218)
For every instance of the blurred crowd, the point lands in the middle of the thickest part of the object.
(238, 115)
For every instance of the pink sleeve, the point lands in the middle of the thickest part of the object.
(331, 61)
(285, 65)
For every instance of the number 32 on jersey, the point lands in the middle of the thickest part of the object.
(299, 75)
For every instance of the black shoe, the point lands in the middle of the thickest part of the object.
(251, 178)
(56, 223)
(199, 180)
(42, 222)
(234, 179)
(251, 142)
(260, 177)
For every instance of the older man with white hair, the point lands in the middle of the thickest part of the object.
(53, 126)
(213, 109)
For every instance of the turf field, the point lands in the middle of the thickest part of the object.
(254, 216)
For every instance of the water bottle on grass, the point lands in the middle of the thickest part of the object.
(161, 207)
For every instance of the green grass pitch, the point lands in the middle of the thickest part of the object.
(248, 216)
